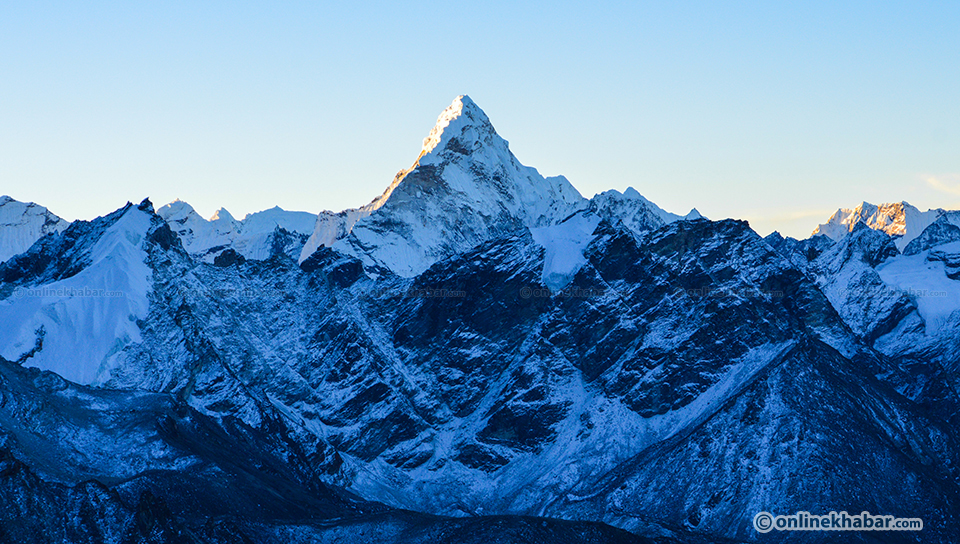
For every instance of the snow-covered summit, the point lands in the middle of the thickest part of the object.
(254, 236)
(896, 219)
(463, 110)
(465, 187)
(462, 121)
(634, 211)
(222, 215)
(333, 226)
(22, 224)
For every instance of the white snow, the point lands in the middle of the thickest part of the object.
(448, 115)
(251, 237)
(475, 191)
(22, 224)
(519, 487)
(936, 295)
(563, 246)
(89, 318)
(267, 220)
(330, 227)
(634, 211)
(481, 191)
(896, 219)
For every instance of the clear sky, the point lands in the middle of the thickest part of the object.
(774, 112)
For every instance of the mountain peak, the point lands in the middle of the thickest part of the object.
(177, 210)
(453, 122)
(222, 215)
(899, 219)
(22, 224)
(465, 187)
(636, 212)
(253, 237)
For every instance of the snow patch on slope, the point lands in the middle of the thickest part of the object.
(936, 295)
(79, 327)
(563, 246)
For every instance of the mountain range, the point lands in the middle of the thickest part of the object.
(479, 354)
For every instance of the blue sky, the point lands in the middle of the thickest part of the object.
(773, 112)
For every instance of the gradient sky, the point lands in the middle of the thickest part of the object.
(778, 114)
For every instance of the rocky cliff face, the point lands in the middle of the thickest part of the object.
(480, 356)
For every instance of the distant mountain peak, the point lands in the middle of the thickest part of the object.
(635, 212)
(465, 187)
(177, 209)
(896, 219)
(451, 123)
(22, 224)
(461, 129)
(253, 237)
(222, 215)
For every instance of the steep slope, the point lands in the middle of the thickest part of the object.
(22, 224)
(466, 187)
(330, 226)
(84, 465)
(904, 305)
(258, 236)
(898, 219)
(809, 433)
(73, 300)
(945, 230)
(930, 335)
(846, 273)
(904, 302)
